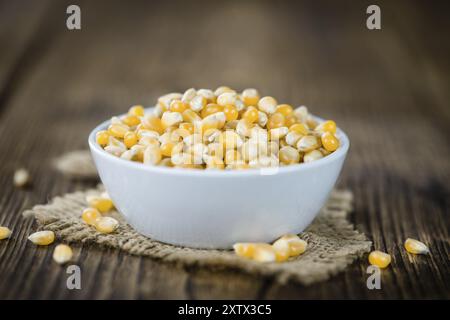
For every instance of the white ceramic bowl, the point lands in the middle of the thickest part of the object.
(215, 209)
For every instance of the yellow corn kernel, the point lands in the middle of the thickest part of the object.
(244, 249)
(292, 138)
(210, 109)
(62, 253)
(290, 120)
(166, 149)
(285, 109)
(165, 100)
(152, 155)
(21, 178)
(148, 141)
(178, 106)
(231, 156)
(188, 95)
(137, 111)
(379, 259)
(416, 247)
(130, 139)
(231, 112)
(250, 115)
(131, 121)
(170, 119)
(307, 143)
(329, 141)
(264, 253)
(301, 113)
(213, 121)
(289, 155)
(327, 126)
(90, 216)
(101, 204)
(300, 128)
(311, 123)
(102, 137)
(106, 225)
(276, 120)
(42, 238)
(207, 94)
(179, 134)
(312, 156)
(278, 133)
(296, 245)
(250, 97)
(226, 98)
(118, 130)
(198, 103)
(243, 128)
(190, 116)
(187, 126)
(153, 123)
(5, 233)
(267, 105)
(282, 250)
(262, 119)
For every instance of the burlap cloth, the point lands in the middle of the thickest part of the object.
(333, 242)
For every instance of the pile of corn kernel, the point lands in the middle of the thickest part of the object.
(220, 129)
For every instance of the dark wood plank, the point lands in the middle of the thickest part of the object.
(387, 89)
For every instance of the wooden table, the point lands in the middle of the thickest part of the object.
(389, 89)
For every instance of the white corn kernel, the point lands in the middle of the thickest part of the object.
(264, 253)
(296, 245)
(243, 128)
(416, 247)
(268, 105)
(21, 178)
(188, 95)
(198, 103)
(262, 118)
(5, 233)
(292, 138)
(301, 113)
(226, 98)
(165, 100)
(42, 238)
(307, 143)
(169, 119)
(278, 133)
(152, 155)
(207, 94)
(62, 253)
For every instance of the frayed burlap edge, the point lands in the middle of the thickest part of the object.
(333, 243)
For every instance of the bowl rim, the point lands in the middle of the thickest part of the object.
(340, 152)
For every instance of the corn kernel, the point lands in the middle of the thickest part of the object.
(99, 203)
(312, 156)
(299, 128)
(211, 109)
(226, 98)
(137, 111)
(230, 140)
(246, 250)
(198, 103)
(118, 130)
(231, 112)
(264, 253)
(153, 123)
(289, 155)
(178, 106)
(327, 126)
(207, 94)
(21, 178)
(250, 115)
(267, 105)
(221, 90)
(102, 137)
(250, 97)
(307, 143)
(191, 116)
(285, 109)
(130, 139)
(62, 253)
(5, 233)
(301, 113)
(165, 100)
(188, 95)
(131, 121)
(379, 259)
(215, 163)
(282, 250)
(231, 156)
(187, 126)
(278, 133)
(106, 225)
(166, 149)
(296, 245)
(329, 141)
(416, 247)
(90, 216)
(42, 238)
(170, 119)
(152, 155)
(276, 120)
(262, 119)
(292, 138)
(213, 121)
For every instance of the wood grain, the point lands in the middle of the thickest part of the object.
(388, 89)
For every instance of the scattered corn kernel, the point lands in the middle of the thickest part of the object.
(42, 238)
(416, 247)
(264, 253)
(90, 216)
(379, 259)
(246, 250)
(5, 233)
(106, 225)
(62, 253)
(296, 245)
(198, 128)
(21, 178)
(101, 204)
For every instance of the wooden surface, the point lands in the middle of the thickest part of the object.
(389, 89)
